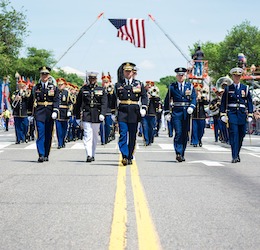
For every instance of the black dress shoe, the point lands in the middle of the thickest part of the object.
(124, 161)
(89, 159)
(46, 158)
(129, 162)
(59, 147)
(179, 158)
(92, 158)
(41, 159)
(17, 142)
(183, 159)
(238, 159)
(234, 161)
(195, 145)
(200, 144)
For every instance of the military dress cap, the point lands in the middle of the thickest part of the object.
(236, 71)
(61, 81)
(92, 74)
(180, 71)
(128, 66)
(45, 69)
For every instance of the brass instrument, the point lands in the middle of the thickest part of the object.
(110, 88)
(153, 91)
(18, 97)
(222, 82)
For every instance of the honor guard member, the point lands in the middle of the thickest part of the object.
(236, 109)
(107, 126)
(127, 94)
(91, 107)
(199, 116)
(64, 112)
(21, 100)
(149, 121)
(45, 101)
(184, 102)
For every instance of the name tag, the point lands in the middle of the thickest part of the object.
(98, 92)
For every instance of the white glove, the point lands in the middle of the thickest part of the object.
(101, 117)
(249, 119)
(113, 117)
(168, 117)
(78, 121)
(189, 110)
(223, 118)
(54, 115)
(30, 118)
(143, 112)
(69, 113)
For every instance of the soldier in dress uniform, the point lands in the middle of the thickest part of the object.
(21, 100)
(127, 94)
(149, 120)
(46, 99)
(199, 116)
(236, 110)
(184, 102)
(64, 112)
(91, 107)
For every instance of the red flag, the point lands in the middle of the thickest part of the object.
(131, 29)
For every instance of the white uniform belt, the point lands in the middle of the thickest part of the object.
(236, 105)
(180, 104)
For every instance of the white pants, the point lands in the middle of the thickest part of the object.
(90, 137)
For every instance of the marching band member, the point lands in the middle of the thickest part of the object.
(236, 110)
(91, 106)
(184, 102)
(128, 92)
(21, 100)
(64, 112)
(199, 116)
(45, 101)
(107, 127)
(149, 120)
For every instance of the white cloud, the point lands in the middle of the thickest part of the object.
(146, 64)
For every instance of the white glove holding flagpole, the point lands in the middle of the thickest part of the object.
(69, 113)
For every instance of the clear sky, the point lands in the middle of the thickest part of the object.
(55, 25)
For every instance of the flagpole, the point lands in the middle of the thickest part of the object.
(101, 14)
(153, 19)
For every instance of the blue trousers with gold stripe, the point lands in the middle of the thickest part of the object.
(44, 137)
(127, 139)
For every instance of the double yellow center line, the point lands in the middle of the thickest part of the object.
(147, 235)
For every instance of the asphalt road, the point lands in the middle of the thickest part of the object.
(205, 202)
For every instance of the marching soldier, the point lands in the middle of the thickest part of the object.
(64, 112)
(184, 102)
(45, 101)
(236, 110)
(21, 100)
(149, 120)
(128, 92)
(91, 106)
(199, 117)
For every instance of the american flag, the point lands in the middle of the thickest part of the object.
(130, 29)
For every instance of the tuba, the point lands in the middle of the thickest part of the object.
(222, 82)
